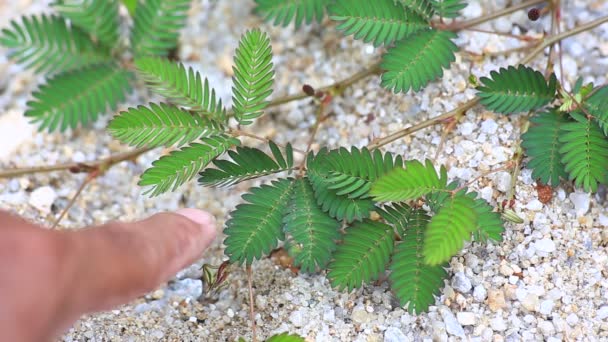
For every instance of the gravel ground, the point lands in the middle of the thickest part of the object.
(548, 280)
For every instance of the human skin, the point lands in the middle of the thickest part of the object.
(49, 278)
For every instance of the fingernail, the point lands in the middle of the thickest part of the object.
(199, 216)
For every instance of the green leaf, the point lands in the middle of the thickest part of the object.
(341, 207)
(449, 8)
(584, 153)
(131, 6)
(99, 18)
(362, 256)
(255, 226)
(285, 337)
(448, 229)
(413, 281)
(597, 106)
(172, 170)
(157, 25)
(378, 22)
(253, 76)
(161, 125)
(47, 44)
(410, 183)
(423, 8)
(542, 145)
(77, 97)
(515, 90)
(312, 235)
(283, 12)
(184, 87)
(418, 59)
(397, 215)
(247, 163)
(351, 173)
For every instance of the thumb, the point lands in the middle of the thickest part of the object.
(118, 261)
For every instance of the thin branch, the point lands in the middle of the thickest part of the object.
(238, 132)
(90, 177)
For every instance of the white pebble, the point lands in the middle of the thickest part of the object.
(602, 313)
(451, 324)
(572, 319)
(581, 202)
(466, 318)
(603, 220)
(544, 246)
(489, 126)
(498, 324)
(546, 307)
(534, 205)
(393, 334)
(461, 283)
(42, 199)
(480, 293)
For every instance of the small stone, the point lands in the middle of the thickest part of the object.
(42, 199)
(230, 313)
(393, 334)
(546, 307)
(185, 288)
(480, 293)
(603, 220)
(329, 315)
(572, 319)
(297, 318)
(157, 334)
(158, 294)
(466, 128)
(489, 126)
(530, 302)
(359, 315)
(496, 300)
(534, 205)
(506, 270)
(498, 324)
(546, 328)
(544, 245)
(581, 202)
(602, 312)
(466, 318)
(461, 283)
(451, 324)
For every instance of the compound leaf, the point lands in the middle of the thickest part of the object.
(99, 18)
(48, 44)
(413, 282)
(283, 12)
(161, 125)
(176, 168)
(184, 87)
(515, 90)
(409, 183)
(247, 163)
(542, 145)
(362, 256)
(448, 8)
(448, 229)
(423, 8)
(312, 235)
(378, 22)
(255, 227)
(156, 26)
(418, 59)
(285, 337)
(253, 76)
(584, 153)
(77, 97)
(597, 106)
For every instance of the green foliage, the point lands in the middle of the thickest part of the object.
(156, 26)
(362, 256)
(312, 234)
(253, 76)
(380, 21)
(597, 106)
(448, 8)
(184, 87)
(342, 179)
(542, 145)
(172, 170)
(77, 97)
(247, 163)
(422, 8)
(417, 60)
(283, 12)
(161, 125)
(412, 280)
(99, 18)
(48, 44)
(255, 227)
(514, 90)
(285, 337)
(584, 153)
(448, 229)
(131, 6)
(411, 182)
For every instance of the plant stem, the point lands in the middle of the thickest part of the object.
(90, 177)
(251, 306)
(457, 26)
(471, 103)
(238, 132)
(103, 164)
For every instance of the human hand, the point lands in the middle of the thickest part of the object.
(48, 278)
